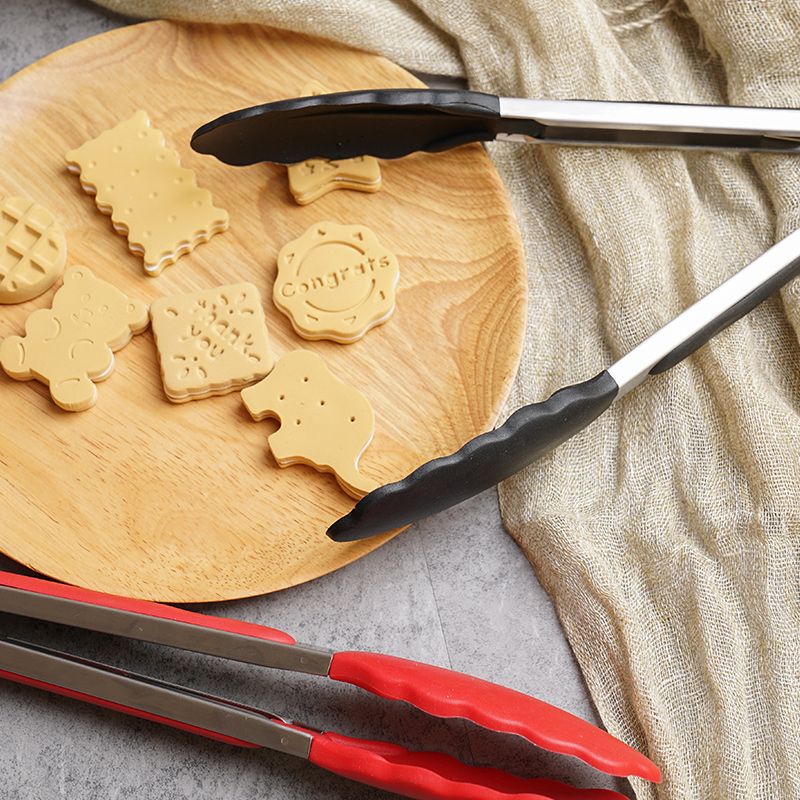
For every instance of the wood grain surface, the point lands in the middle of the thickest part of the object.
(183, 502)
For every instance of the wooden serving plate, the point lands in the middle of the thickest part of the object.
(184, 503)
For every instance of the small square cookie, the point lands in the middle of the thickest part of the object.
(151, 199)
(211, 342)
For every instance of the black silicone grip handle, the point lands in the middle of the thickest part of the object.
(484, 461)
(385, 123)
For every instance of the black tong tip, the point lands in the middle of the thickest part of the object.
(385, 123)
(529, 433)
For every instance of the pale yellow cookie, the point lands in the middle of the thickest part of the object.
(336, 282)
(71, 345)
(315, 177)
(33, 250)
(324, 423)
(211, 342)
(151, 199)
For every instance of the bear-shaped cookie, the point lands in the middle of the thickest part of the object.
(324, 423)
(71, 345)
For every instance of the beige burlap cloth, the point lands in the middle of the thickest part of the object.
(668, 533)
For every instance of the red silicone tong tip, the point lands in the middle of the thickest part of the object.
(445, 693)
(435, 776)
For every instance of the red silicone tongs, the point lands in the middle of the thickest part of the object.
(437, 691)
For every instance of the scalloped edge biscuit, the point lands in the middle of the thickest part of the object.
(152, 200)
(336, 282)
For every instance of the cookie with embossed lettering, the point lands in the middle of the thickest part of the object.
(325, 423)
(33, 249)
(211, 342)
(71, 345)
(151, 198)
(336, 282)
(315, 177)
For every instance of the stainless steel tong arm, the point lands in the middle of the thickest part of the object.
(653, 124)
(147, 697)
(710, 314)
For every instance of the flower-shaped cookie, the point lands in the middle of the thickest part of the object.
(336, 282)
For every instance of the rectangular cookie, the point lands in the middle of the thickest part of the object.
(152, 200)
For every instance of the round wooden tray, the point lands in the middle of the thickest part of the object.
(184, 503)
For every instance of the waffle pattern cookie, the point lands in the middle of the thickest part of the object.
(335, 282)
(311, 179)
(151, 199)
(71, 345)
(324, 423)
(33, 250)
(211, 342)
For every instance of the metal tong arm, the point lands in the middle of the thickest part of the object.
(158, 624)
(712, 313)
(148, 698)
(434, 690)
(391, 123)
(625, 124)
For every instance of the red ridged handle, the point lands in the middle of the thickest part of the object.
(145, 607)
(434, 776)
(445, 693)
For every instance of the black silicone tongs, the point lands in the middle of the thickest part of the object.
(536, 429)
(390, 123)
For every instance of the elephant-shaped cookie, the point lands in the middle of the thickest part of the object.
(71, 345)
(324, 423)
